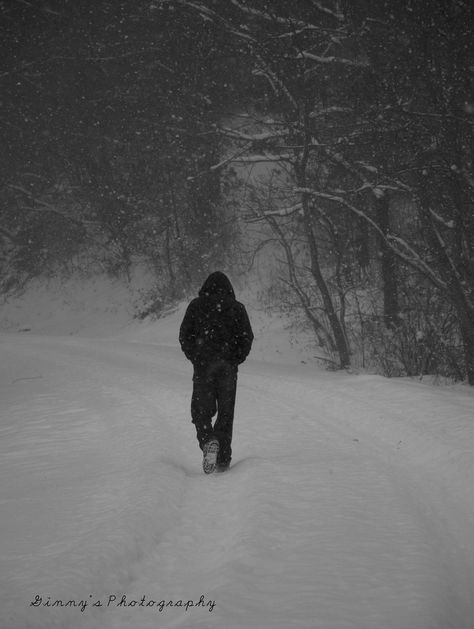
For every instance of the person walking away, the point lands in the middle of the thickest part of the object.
(216, 336)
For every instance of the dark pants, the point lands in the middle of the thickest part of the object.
(214, 388)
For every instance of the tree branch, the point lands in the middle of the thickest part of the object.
(413, 259)
(333, 60)
(47, 206)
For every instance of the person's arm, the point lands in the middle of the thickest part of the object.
(245, 335)
(187, 334)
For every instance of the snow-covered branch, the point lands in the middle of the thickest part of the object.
(265, 157)
(330, 110)
(397, 244)
(377, 189)
(287, 211)
(227, 160)
(252, 137)
(444, 248)
(209, 15)
(333, 60)
(335, 14)
(275, 19)
(414, 259)
(45, 207)
(277, 84)
(439, 219)
(341, 201)
(240, 157)
(286, 21)
(438, 116)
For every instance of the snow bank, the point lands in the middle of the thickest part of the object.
(90, 306)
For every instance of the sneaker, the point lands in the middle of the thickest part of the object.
(210, 452)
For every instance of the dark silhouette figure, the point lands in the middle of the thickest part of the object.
(216, 337)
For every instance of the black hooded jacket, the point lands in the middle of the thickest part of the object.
(216, 325)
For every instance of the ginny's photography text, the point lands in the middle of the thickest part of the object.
(114, 601)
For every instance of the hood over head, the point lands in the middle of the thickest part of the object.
(217, 286)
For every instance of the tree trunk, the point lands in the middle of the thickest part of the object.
(467, 334)
(389, 266)
(323, 335)
(457, 287)
(301, 179)
(336, 327)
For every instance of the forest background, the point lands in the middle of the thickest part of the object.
(335, 138)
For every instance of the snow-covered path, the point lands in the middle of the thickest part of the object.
(350, 502)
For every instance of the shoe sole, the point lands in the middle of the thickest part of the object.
(209, 462)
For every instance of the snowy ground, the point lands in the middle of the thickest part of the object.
(350, 503)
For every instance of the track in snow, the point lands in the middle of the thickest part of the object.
(339, 510)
